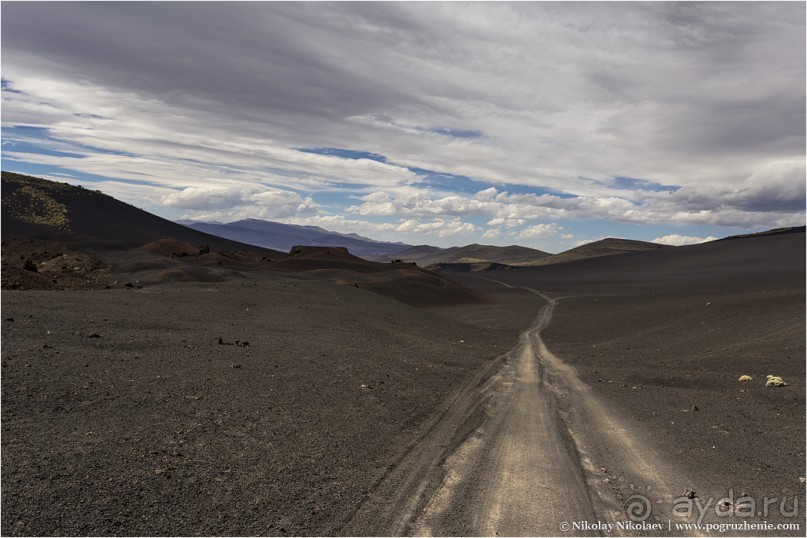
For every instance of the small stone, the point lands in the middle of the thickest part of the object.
(775, 381)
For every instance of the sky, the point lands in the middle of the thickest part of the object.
(542, 124)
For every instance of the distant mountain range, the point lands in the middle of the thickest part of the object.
(283, 237)
(279, 236)
(38, 208)
(474, 257)
(471, 257)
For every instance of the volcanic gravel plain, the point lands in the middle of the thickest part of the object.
(643, 356)
(222, 393)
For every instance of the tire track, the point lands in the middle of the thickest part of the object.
(518, 474)
(520, 451)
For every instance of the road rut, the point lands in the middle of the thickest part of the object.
(525, 448)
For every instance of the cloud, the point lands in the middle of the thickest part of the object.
(776, 186)
(686, 206)
(208, 197)
(680, 240)
(682, 113)
(539, 230)
(237, 201)
(491, 233)
(339, 223)
(143, 139)
(438, 227)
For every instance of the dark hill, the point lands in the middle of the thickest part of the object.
(38, 208)
(603, 247)
(471, 254)
(402, 281)
(751, 262)
(413, 254)
(59, 236)
(775, 231)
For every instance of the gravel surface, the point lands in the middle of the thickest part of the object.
(662, 338)
(235, 408)
(258, 403)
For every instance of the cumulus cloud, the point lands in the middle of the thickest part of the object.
(438, 227)
(680, 240)
(514, 210)
(491, 233)
(339, 223)
(231, 202)
(539, 230)
(206, 198)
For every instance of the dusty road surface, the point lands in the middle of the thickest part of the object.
(517, 474)
(526, 449)
(496, 462)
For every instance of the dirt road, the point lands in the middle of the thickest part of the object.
(525, 449)
(518, 474)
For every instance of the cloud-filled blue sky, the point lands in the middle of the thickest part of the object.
(540, 124)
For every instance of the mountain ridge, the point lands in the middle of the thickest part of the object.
(470, 254)
(281, 236)
(610, 246)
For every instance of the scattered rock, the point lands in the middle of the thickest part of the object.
(775, 381)
(94, 335)
(236, 365)
(239, 343)
(746, 378)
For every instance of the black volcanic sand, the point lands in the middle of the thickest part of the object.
(663, 337)
(252, 402)
(240, 408)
